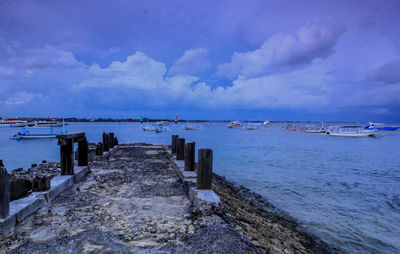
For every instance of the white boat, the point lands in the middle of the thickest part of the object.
(163, 123)
(252, 126)
(235, 124)
(49, 123)
(266, 123)
(36, 133)
(312, 129)
(350, 131)
(155, 127)
(190, 127)
(12, 123)
(380, 127)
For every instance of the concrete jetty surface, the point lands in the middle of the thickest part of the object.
(131, 202)
(134, 201)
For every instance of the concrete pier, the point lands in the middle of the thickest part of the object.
(137, 198)
(131, 202)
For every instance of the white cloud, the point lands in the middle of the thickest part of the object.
(284, 51)
(109, 52)
(191, 62)
(22, 98)
(138, 71)
(45, 57)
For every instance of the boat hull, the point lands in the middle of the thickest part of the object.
(383, 128)
(35, 136)
(357, 135)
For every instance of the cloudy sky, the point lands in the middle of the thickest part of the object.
(276, 60)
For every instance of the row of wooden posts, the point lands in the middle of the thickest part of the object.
(186, 152)
(66, 142)
(109, 142)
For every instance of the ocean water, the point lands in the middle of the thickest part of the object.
(345, 190)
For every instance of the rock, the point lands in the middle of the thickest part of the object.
(43, 235)
(144, 244)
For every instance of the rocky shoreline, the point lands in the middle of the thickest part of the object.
(268, 228)
(134, 202)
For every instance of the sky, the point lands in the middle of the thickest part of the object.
(255, 60)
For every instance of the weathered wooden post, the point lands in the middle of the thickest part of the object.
(99, 149)
(41, 183)
(115, 141)
(67, 157)
(4, 193)
(189, 156)
(1, 163)
(19, 187)
(180, 151)
(111, 140)
(174, 139)
(105, 142)
(204, 170)
(83, 150)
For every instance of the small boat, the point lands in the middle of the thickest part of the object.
(235, 124)
(163, 123)
(253, 126)
(350, 131)
(49, 123)
(12, 123)
(266, 123)
(190, 127)
(36, 133)
(380, 127)
(155, 127)
(312, 129)
(291, 127)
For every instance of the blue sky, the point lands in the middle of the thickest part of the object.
(276, 60)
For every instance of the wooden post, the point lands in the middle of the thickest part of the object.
(83, 149)
(180, 151)
(176, 143)
(4, 193)
(41, 183)
(19, 188)
(105, 142)
(1, 163)
(67, 157)
(111, 140)
(99, 149)
(204, 170)
(189, 156)
(174, 139)
(115, 141)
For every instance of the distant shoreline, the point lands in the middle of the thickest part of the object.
(133, 120)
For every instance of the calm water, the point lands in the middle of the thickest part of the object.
(345, 190)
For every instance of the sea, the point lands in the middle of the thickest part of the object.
(344, 190)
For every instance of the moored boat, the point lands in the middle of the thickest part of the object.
(291, 127)
(380, 127)
(189, 127)
(37, 133)
(313, 129)
(235, 124)
(163, 123)
(252, 126)
(49, 123)
(266, 123)
(12, 123)
(157, 128)
(350, 131)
